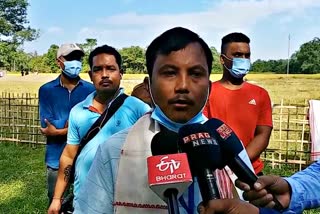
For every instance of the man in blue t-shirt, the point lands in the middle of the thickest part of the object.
(106, 74)
(56, 98)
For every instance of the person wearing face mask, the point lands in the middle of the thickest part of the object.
(56, 98)
(106, 73)
(179, 64)
(245, 107)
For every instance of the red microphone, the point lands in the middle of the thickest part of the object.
(169, 174)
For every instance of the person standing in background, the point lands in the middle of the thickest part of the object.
(245, 107)
(56, 98)
(106, 74)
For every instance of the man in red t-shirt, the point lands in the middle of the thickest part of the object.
(245, 107)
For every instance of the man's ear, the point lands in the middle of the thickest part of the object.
(221, 60)
(90, 74)
(59, 63)
(121, 72)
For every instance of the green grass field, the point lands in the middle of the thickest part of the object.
(22, 177)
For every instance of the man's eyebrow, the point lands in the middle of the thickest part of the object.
(198, 67)
(96, 66)
(168, 66)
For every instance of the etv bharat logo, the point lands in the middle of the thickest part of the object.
(165, 165)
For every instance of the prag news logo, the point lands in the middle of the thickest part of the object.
(171, 165)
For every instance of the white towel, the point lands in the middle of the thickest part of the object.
(314, 121)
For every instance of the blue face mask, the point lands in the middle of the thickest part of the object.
(159, 116)
(72, 68)
(240, 67)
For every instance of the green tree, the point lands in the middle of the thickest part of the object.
(13, 22)
(260, 66)
(50, 59)
(216, 65)
(38, 64)
(307, 58)
(276, 66)
(22, 60)
(133, 59)
(87, 47)
(14, 30)
(7, 51)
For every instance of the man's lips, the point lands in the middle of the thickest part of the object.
(106, 83)
(181, 103)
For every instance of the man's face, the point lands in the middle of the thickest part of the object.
(235, 50)
(75, 55)
(180, 82)
(105, 73)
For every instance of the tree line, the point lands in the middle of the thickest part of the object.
(14, 31)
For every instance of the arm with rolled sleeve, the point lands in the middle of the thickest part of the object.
(73, 136)
(305, 186)
(97, 194)
(46, 112)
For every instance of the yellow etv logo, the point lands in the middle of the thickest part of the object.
(165, 165)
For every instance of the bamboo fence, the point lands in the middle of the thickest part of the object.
(290, 138)
(19, 118)
(289, 142)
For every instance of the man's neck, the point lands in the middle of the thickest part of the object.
(68, 82)
(230, 82)
(102, 100)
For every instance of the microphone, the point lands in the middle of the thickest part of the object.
(204, 157)
(168, 171)
(231, 148)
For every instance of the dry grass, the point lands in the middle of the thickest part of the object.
(15, 83)
(293, 89)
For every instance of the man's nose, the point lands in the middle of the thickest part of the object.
(182, 84)
(105, 73)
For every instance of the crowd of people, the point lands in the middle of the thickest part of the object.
(98, 138)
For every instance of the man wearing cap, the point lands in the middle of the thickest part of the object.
(106, 74)
(56, 98)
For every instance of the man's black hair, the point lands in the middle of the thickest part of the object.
(173, 40)
(233, 37)
(107, 50)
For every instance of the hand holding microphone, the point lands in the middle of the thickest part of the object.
(260, 195)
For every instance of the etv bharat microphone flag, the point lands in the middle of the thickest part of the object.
(169, 171)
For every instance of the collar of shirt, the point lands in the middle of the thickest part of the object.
(58, 83)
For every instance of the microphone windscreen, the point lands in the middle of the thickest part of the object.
(227, 139)
(202, 149)
(164, 142)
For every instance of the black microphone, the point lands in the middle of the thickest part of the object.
(231, 147)
(164, 143)
(168, 172)
(204, 157)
